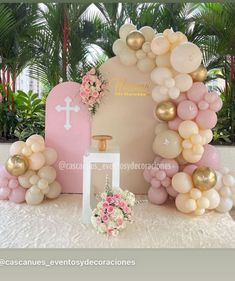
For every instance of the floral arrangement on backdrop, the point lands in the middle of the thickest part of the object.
(92, 89)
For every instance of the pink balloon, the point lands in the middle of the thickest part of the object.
(206, 119)
(4, 182)
(171, 191)
(4, 193)
(13, 183)
(147, 175)
(17, 195)
(155, 183)
(174, 124)
(217, 105)
(187, 110)
(160, 175)
(153, 171)
(166, 182)
(189, 169)
(210, 97)
(203, 105)
(197, 92)
(181, 98)
(171, 166)
(210, 158)
(157, 196)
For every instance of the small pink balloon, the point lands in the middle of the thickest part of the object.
(181, 97)
(147, 175)
(206, 119)
(13, 183)
(174, 124)
(189, 169)
(4, 193)
(160, 175)
(203, 105)
(166, 182)
(187, 110)
(153, 171)
(217, 105)
(17, 195)
(4, 182)
(210, 97)
(155, 183)
(171, 191)
(210, 158)
(5, 174)
(197, 92)
(171, 166)
(157, 196)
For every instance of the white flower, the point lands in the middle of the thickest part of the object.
(101, 228)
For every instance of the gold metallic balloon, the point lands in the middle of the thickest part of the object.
(204, 178)
(135, 40)
(17, 165)
(200, 74)
(165, 111)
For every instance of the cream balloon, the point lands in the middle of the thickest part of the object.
(36, 161)
(172, 37)
(128, 57)
(54, 190)
(195, 193)
(183, 82)
(187, 129)
(186, 57)
(158, 95)
(48, 173)
(37, 147)
(180, 201)
(228, 180)
(160, 45)
(24, 180)
(225, 205)
(203, 203)
(42, 184)
(225, 191)
(207, 136)
(199, 212)
(125, 29)
(33, 198)
(182, 38)
(190, 205)
(167, 144)
(159, 74)
(163, 60)
(148, 33)
(213, 196)
(35, 138)
(219, 182)
(26, 151)
(50, 155)
(140, 54)
(190, 156)
(182, 182)
(16, 148)
(118, 46)
(34, 179)
(146, 65)
(174, 93)
(151, 55)
(146, 47)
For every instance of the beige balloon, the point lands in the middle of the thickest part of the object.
(163, 60)
(190, 156)
(125, 29)
(146, 47)
(42, 184)
(167, 144)
(38, 147)
(183, 81)
(54, 190)
(128, 57)
(158, 95)
(33, 198)
(182, 182)
(140, 54)
(159, 74)
(50, 155)
(213, 196)
(148, 33)
(118, 46)
(160, 45)
(48, 173)
(186, 57)
(207, 136)
(16, 148)
(195, 193)
(36, 161)
(26, 151)
(35, 138)
(180, 201)
(24, 180)
(146, 65)
(187, 129)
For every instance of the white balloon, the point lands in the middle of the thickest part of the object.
(184, 82)
(148, 33)
(125, 29)
(128, 57)
(118, 46)
(228, 180)
(48, 173)
(213, 196)
(186, 57)
(225, 191)
(35, 138)
(159, 74)
(160, 45)
(33, 198)
(180, 201)
(203, 203)
(195, 193)
(158, 95)
(24, 180)
(219, 182)
(146, 65)
(54, 190)
(225, 205)
(163, 60)
(182, 182)
(17, 147)
(140, 54)
(169, 82)
(174, 93)
(146, 47)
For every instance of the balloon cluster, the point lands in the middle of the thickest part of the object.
(29, 173)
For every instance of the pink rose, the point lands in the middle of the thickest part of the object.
(105, 218)
(95, 94)
(110, 199)
(119, 221)
(98, 220)
(127, 210)
(105, 204)
(117, 196)
(110, 209)
(122, 204)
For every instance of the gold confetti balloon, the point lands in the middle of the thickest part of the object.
(200, 74)
(204, 178)
(17, 165)
(135, 40)
(165, 111)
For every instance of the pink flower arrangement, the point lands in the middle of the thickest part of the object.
(113, 211)
(92, 89)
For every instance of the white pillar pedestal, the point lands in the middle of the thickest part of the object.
(111, 155)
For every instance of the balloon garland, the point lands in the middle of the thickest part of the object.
(187, 166)
(28, 174)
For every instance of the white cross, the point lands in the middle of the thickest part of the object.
(67, 109)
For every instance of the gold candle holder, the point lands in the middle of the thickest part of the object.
(102, 141)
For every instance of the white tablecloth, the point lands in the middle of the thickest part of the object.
(57, 224)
